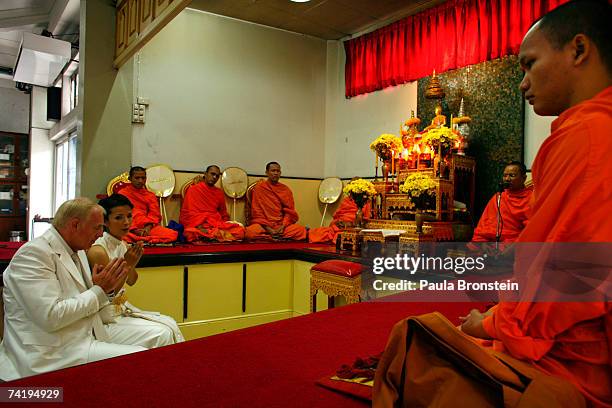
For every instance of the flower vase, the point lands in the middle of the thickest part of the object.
(359, 218)
(386, 168)
(419, 219)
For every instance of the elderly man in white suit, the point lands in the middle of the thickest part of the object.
(52, 301)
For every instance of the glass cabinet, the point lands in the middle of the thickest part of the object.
(14, 162)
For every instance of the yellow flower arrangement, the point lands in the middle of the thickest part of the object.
(385, 143)
(360, 190)
(418, 184)
(441, 135)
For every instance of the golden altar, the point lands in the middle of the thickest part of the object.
(434, 158)
(394, 210)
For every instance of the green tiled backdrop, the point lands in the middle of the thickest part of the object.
(494, 102)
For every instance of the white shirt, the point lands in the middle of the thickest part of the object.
(115, 248)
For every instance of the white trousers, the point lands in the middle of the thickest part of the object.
(142, 332)
(99, 350)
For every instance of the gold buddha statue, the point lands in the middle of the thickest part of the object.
(438, 120)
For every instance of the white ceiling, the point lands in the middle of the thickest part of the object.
(16, 16)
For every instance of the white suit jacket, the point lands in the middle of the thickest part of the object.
(50, 310)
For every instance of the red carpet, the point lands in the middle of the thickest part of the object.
(273, 365)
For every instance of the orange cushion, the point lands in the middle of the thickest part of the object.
(338, 267)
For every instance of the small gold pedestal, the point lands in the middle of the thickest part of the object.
(350, 240)
(413, 243)
(334, 285)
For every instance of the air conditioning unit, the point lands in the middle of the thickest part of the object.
(40, 59)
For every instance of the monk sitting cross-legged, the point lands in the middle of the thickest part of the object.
(559, 323)
(146, 214)
(513, 208)
(273, 212)
(204, 213)
(344, 217)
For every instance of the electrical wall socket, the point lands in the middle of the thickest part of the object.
(138, 113)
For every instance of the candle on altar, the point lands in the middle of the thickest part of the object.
(417, 150)
(392, 161)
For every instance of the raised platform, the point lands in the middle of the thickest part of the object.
(272, 365)
(218, 253)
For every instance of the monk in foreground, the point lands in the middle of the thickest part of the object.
(567, 60)
(273, 214)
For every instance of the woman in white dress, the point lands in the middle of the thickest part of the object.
(121, 317)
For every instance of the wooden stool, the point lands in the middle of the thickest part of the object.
(335, 278)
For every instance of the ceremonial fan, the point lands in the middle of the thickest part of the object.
(330, 190)
(161, 181)
(234, 181)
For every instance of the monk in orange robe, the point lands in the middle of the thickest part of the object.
(146, 214)
(514, 208)
(568, 74)
(571, 78)
(273, 212)
(344, 217)
(204, 213)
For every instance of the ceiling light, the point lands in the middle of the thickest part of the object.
(300, 1)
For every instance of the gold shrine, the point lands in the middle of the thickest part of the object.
(437, 152)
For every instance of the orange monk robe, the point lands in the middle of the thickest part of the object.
(146, 212)
(272, 205)
(345, 213)
(573, 203)
(514, 208)
(204, 207)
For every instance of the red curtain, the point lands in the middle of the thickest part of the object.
(452, 35)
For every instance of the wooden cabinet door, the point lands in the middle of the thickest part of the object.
(121, 28)
(160, 6)
(146, 14)
(132, 22)
(214, 291)
(159, 289)
(269, 286)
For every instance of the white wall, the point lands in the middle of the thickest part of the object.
(104, 129)
(40, 195)
(352, 124)
(41, 179)
(232, 93)
(537, 128)
(14, 108)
